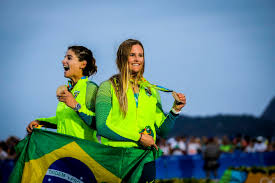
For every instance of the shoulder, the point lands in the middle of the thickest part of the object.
(105, 84)
(104, 89)
(152, 89)
(91, 87)
(91, 84)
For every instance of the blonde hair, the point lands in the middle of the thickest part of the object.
(121, 80)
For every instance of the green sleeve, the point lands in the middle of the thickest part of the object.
(87, 110)
(164, 124)
(103, 108)
(51, 120)
(48, 122)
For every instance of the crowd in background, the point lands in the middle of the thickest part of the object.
(181, 145)
(209, 147)
(7, 157)
(191, 145)
(7, 148)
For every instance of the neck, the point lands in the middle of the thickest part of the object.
(135, 76)
(134, 80)
(75, 79)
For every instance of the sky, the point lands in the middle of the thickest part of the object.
(219, 53)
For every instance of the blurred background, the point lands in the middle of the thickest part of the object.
(220, 54)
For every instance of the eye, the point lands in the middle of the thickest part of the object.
(132, 54)
(140, 55)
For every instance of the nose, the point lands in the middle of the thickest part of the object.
(63, 61)
(138, 58)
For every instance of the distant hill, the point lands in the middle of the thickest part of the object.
(227, 124)
(223, 125)
(269, 112)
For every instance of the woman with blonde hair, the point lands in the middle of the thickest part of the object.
(128, 107)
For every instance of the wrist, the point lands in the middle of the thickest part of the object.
(139, 140)
(175, 111)
(77, 107)
(37, 121)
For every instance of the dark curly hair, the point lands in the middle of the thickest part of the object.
(82, 54)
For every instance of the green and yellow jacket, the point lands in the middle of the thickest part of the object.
(144, 115)
(79, 124)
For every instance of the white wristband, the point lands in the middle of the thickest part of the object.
(174, 111)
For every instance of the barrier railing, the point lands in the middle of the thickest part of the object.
(192, 166)
(185, 166)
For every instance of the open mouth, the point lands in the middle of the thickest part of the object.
(66, 68)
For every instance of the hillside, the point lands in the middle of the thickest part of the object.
(269, 112)
(223, 125)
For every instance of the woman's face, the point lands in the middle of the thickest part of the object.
(73, 68)
(136, 59)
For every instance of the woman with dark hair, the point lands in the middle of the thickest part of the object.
(128, 108)
(75, 113)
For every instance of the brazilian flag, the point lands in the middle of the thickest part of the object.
(49, 157)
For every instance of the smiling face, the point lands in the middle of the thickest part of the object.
(136, 59)
(73, 68)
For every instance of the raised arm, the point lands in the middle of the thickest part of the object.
(164, 124)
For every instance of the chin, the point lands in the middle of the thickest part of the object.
(136, 71)
(66, 76)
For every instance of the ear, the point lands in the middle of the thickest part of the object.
(83, 64)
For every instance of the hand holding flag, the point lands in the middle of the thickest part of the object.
(147, 141)
(33, 124)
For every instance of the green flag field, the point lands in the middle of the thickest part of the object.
(47, 157)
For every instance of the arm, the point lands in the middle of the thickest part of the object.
(167, 124)
(50, 122)
(86, 112)
(46, 122)
(103, 108)
(163, 124)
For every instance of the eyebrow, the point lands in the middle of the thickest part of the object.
(135, 53)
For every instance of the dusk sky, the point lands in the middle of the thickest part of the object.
(219, 53)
